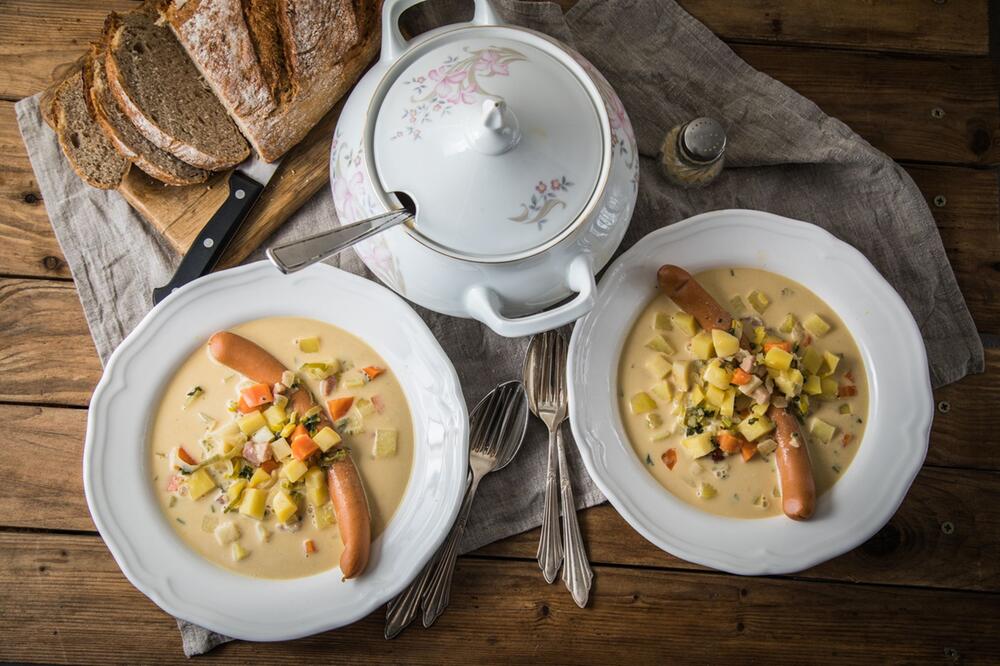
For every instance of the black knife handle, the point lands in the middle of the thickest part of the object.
(218, 232)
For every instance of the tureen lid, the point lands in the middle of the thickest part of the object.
(496, 134)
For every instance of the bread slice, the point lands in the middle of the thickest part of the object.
(89, 151)
(123, 134)
(278, 66)
(161, 92)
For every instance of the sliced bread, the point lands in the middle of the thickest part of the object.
(277, 65)
(161, 92)
(91, 154)
(123, 134)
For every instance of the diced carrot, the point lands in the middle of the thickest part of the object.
(269, 465)
(846, 391)
(669, 458)
(303, 446)
(339, 406)
(848, 438)
(729, 442)
(784, 344)
(372, 371)
(185, 456)
(310, 546)
(748, 449)
(256, 396)
(244, 408)
(741, 377)
(299, 431)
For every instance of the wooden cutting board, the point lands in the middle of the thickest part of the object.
(179, 213)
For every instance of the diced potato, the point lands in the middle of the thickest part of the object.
(294, 469)
(681, 374)
(641, 403)
(384, 445)
(238, 552)
(830, 388)
(726, 344)
(235, 491)
(227, 532)
(658, 365)
(354, 380)
(326, 439)
(778, 359)
(717, 376)
(325, 516)
(701, 346)
(789, 382)
(845, 408)
(698, 445)
(696, 396)
(759, 334)
(200, 483)
(284, 506)
(653, 420)
(317, 494)
(660, 344)
(812, 385)
(759, 410)
(787, 324)
(766, 447)
(830, 363)
(263, 436)
(662, 391)
(760, 426)
(308, 345)
(685, 322)
(259, 478)
(736, 305)
(706, 490)
(263, 534)
(715, 396)
(816, 325)
(281, 400)
(811, 360)
(253, 504)
(822, 430)
(728, 405)
(251, 423)
(315, 477)
(275, 417)
(759, 301)
(281, 449)
(661, 321)
(319, 370)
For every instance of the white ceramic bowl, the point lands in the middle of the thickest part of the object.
(116, 458)
(900, 407)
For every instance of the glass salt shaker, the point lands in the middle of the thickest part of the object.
(692, 153)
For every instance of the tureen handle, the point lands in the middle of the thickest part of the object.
(483, 304)
(393, 43)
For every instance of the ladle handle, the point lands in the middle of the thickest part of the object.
(297, 254)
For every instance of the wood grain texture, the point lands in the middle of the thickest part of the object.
(502, 611)
(27, 244)
(912, 549)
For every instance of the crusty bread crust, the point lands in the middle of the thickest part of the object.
(278, 66)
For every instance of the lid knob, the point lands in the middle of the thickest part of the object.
(496, 131)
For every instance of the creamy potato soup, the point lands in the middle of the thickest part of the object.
(694, 404)
(230, 469)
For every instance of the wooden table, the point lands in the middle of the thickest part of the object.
(914, 77)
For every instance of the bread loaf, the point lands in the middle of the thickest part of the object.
(90, 153)
(278, 66)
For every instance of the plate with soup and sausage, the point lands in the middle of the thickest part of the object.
(750, 393)
(272, 456)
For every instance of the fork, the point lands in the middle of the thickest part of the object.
(545, 377)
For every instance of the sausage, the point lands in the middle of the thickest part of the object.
(251, 360)
(691, 297)
(353, 518)
(798, 490)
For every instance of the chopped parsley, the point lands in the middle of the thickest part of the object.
(649, 461)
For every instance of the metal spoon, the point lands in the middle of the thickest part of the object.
(545, 379)
(297, 254)
(498, 424)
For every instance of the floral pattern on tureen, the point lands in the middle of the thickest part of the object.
(622, 135)
(547, 195)
(354, 201)
(455, 82)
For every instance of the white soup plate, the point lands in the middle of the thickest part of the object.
(895, 440)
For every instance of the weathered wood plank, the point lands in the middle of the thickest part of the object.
(46, 353)
(27, 244)
(72, 602)
(912, 549)
(916, 26)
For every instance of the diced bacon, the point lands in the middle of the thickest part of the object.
(174, 484)
(761, 396)
(746, 365)
(378, 403)
(780, 401)
(257, 453)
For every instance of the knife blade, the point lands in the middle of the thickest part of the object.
(246, 182)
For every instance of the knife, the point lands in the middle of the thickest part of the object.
(246, 182)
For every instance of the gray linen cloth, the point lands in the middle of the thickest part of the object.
(785, 156)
